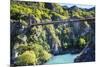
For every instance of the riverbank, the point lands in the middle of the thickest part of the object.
(87, 55)
(64, 57)
(69, 51)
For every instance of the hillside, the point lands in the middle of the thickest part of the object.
(36, 45)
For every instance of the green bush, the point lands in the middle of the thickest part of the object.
(15, 8)
(41, 54)
(27, 58)
(57, 16)
(82, 42)
(45, 55)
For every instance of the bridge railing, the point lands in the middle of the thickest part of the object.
(58, 22)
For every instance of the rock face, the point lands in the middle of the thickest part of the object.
(87, 55)
(49, 6)
(55, 49)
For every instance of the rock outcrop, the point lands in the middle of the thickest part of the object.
(88, 54)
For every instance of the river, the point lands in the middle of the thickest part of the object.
(62, 59)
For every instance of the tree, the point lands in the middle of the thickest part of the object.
(27, 58)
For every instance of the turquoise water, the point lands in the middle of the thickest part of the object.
(62, 59)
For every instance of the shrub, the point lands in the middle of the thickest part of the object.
(46, 47)
(82, 42)
(41, 54)
(27, 58)
(56, 16)
(45, 55)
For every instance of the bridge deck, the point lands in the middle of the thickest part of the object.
(59, 22)
(62, 22)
